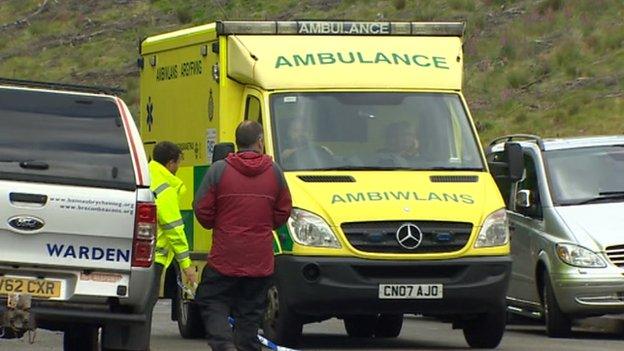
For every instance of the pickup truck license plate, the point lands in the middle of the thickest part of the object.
(33, 287)
(410, 291)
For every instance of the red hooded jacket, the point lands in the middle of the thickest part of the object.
(243, 198)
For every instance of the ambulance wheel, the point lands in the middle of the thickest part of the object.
(486, 331)
(81, 338)
(281, 325)
(360, 326)
(389, 325)
(190, 323)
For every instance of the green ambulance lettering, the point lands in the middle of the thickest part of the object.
(434, 196)
(400, 196)
(404, 58)
(440, 62)
(450, 196)
(405, 195)
(357, 197)
(382, 58)
(467, 199)
(326, 58)
(374, 196)
(329, 58)
(309, 60)
(282, 61)
(416, 197)
(422, 62)
(341, 59)
(361, 58)
(337, 198)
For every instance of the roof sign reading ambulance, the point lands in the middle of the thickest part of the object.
(341, 28)
(316, 61)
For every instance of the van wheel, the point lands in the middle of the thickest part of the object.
(486, 331)
(190, 323)
(360, 326)
(389, 325)
(81, 338)
(281, 325)
(558, 325)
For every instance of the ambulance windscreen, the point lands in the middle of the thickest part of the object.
(371, 130)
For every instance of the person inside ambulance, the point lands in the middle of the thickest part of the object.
(301, 150)
(402, 145)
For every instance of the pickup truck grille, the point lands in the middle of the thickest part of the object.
(381, 237)
(616, 255)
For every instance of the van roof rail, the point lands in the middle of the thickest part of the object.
(519, 137)
(341, 27)
(62, 86)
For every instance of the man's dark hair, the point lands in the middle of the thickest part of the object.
(247, 134)
(166, 151)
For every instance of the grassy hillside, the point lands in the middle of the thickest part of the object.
(551, 67)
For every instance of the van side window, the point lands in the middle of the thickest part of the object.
(530, 183)
(253, 111)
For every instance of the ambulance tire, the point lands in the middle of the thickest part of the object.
(281, 324)
(81, 338)
(388, 325)
(486, 331)
(190, 323)
(360, 326)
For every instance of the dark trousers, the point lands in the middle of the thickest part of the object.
(243, 298)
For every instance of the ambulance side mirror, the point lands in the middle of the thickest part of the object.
(221, 150)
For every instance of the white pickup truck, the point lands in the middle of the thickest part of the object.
(77, 218)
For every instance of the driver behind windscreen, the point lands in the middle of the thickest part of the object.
(402, 140)
(299, 141)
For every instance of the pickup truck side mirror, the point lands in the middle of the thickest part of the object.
(515, 161)
(221, 150)
(523, 199)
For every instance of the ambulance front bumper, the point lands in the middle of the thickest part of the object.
(323, 286)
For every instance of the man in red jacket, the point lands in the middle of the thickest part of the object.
(242, 198)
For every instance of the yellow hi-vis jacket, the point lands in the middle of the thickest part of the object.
(170, 238)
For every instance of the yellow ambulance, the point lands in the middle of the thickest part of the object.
(394, 213)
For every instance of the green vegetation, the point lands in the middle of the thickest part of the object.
(550, 67)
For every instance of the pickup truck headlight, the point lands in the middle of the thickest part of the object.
(311, 230)
(579, 256)
(495, 230)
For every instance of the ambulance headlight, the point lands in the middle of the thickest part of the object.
(311, 230)
(495, 230)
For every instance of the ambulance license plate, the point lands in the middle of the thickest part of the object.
(410, 291)
(33, 287)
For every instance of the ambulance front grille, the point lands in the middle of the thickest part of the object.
(381, 237)
(616, 255)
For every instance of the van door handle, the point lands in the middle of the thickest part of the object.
(28, 198)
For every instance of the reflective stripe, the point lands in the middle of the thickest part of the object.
(183, 255)
(173, 225)
(161, 250)
(161, 188)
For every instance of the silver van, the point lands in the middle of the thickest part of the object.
(566, 218)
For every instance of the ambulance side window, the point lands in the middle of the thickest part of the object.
(253, 111)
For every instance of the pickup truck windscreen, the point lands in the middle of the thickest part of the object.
(372, 131)
(64, 139)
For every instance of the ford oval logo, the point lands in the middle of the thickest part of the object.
(26, 223)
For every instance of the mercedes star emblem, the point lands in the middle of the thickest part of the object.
(409, 236)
